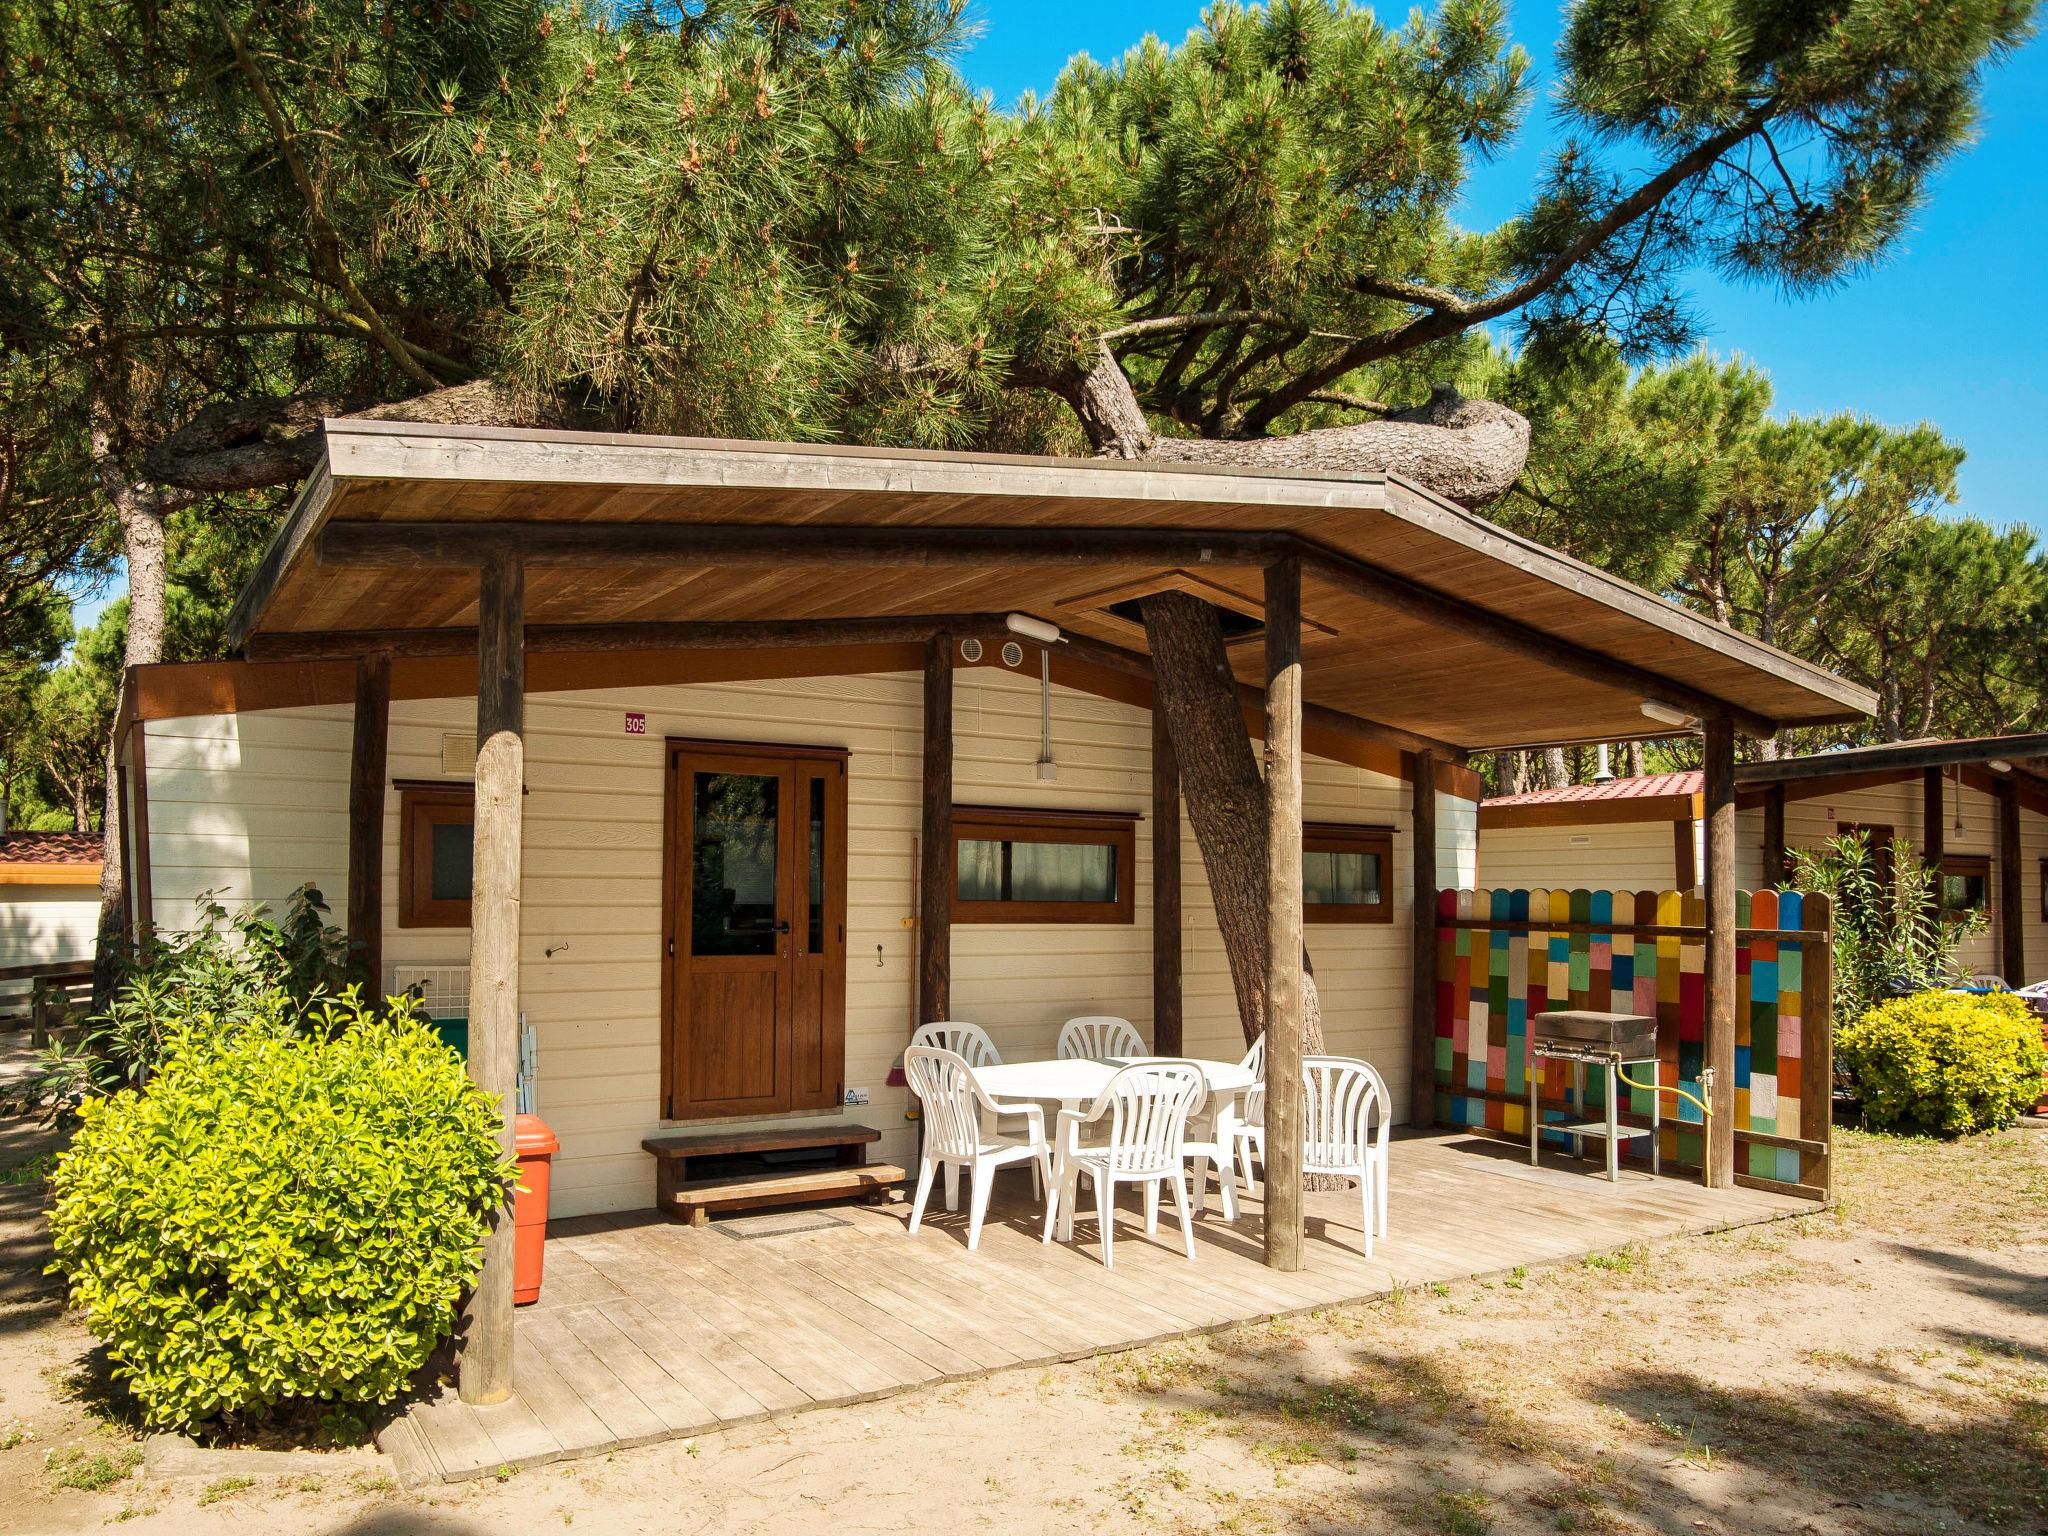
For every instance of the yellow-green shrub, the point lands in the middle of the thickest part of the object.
(280, 1213)
(1944, 1063)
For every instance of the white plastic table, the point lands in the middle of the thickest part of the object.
(1074, 1084)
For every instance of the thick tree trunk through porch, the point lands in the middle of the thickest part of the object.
(1223, 793)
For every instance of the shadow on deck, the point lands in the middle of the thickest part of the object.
(648, 1331)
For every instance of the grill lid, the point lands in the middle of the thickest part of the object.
(1630, 1036)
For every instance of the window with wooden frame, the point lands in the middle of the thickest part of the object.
(1346, 873)
(1019, 866)
(1965, 884)
(436, 837)
(2044, 890)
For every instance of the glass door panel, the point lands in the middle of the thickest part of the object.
(734, 864)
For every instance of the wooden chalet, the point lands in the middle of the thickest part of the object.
(568, 647)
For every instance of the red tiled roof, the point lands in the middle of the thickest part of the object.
(1648, 786)
(50, 847)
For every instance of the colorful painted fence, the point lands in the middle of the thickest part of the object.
(1505, 955)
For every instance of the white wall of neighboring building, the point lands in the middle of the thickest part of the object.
(45, 923)
(1609, 856)
(253, 805)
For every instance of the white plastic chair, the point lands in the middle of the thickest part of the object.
(967, 1041)
(971, 1042)
(956, 1134)
(1100, 1037)
(1205, 1143)
(1345, 1116)
(1147, 1106)
(1250, 1137)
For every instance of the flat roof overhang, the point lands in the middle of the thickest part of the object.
(1419, 615)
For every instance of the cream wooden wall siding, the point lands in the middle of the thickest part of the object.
(1616, 856)
(250, 806)
(2033, 892)
(41, 924)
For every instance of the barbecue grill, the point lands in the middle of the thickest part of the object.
(1602, 1041)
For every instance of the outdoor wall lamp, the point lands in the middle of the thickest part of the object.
(1032, 629)
(1666, 714)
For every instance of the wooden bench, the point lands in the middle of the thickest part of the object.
(683, 1197)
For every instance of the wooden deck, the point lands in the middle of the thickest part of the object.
(647, 1330)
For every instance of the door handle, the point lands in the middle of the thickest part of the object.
(782, 925)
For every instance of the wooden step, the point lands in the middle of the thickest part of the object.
(694, 1201)
(727, 1143)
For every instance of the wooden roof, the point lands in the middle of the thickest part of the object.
(1391, 643)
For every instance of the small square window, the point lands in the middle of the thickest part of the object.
(1965, 884)
(1346, 873)
(436, 839)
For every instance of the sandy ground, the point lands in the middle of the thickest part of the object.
(1879, 1368)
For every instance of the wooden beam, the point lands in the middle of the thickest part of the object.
(1167, 1031)
(1314, 716)
(936, 870)
(2012, 914)
(402, 545)
(1777, 861)
(485, 1358)
(144, 898)
(767, 634)
(1283, 916)
(367, 766)
(1817, 1037)
(1476, 623)
(1720, 979)
(1422, 949)
(1684, 856)
(1933, 823)
(1896, 757)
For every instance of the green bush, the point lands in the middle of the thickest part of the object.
(1944, 1063)
(229, 967)
(289, 1209)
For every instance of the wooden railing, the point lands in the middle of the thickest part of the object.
(49, 982)
(1505, 954)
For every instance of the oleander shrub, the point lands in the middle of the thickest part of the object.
(1944, 1063)
(289, 1209)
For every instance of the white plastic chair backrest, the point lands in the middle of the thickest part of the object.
(944, 1085)
(1342, 1099)
(1148, 1106)
(962, 1039)
(1100, 1037)
(1254, 1060)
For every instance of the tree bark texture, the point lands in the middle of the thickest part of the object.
(1223, 794)
(936, 871)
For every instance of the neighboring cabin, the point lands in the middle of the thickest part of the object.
(1947, 798)
(49, 896)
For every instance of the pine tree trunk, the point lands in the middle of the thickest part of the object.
(1635, 759)
(1225, 797)
(141, 512)
(1555, 774)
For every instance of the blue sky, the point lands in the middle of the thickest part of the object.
(1953, 329)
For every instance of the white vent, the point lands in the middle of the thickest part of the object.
(443, 990)
(458, 753)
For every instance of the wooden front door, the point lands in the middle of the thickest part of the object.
(755, 877)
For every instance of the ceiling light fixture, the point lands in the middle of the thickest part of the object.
(1666, 714)
(1032, 629)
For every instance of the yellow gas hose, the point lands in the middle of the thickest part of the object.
(1705, 1112)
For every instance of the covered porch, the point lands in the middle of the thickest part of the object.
(648, 1330)
(1381, 628)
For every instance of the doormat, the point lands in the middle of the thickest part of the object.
(746, 1229)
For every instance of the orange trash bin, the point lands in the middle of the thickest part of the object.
(536, 1147)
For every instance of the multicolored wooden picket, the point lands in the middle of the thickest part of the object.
(1503, 955)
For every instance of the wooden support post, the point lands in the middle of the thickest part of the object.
(1283, 915)
(1817, 1038)
(485, 1361)
(143, 898)
(1167, 1034)
(1777, 861)
(1933, 829)
(935, 883)
(2012, 916)
(1685, 870)
(39, 1014)
(1422, 965)
(366, 816)
(1719, 810)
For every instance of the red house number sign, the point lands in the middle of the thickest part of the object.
(636, 723)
